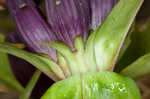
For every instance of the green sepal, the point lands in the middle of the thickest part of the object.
(76, 59)
(138, 68)
(68, 55)
(64, 65)
(80, 55)
(100, 85)
(111, 34)
(41, 62)
(79, 46)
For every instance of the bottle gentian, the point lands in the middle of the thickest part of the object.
(77, 45)
(68, 20)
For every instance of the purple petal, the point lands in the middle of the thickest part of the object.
(32, 27)
(100, 10)
(69, 18)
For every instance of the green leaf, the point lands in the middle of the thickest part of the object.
(17, 45)
(138, 68)
(100, 85)
(126, 44)
(139, 46)
(111, 34)
(7, 77)
(28, 90)
(42, 62)
(66, 89)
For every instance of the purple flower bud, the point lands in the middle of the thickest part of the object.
(100, 10)
(69, 18)
(32, 27)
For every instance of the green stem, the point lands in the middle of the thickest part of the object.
(28, 90)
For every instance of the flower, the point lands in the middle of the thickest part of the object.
(67, 18)
(70, 22)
